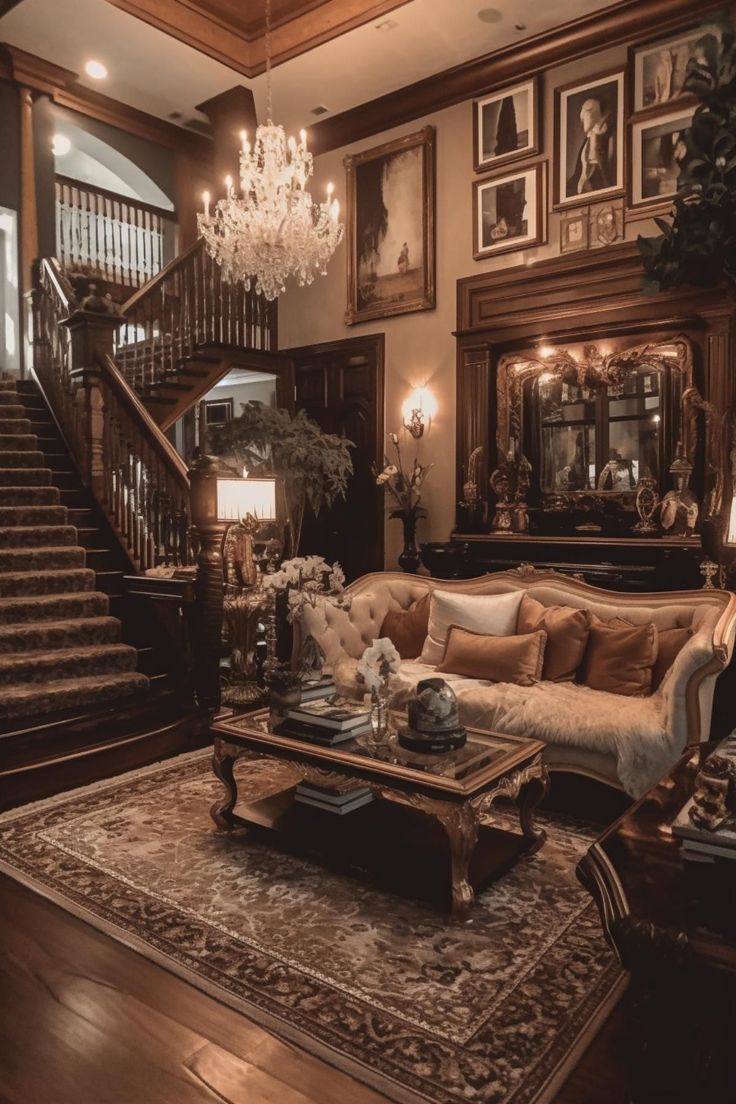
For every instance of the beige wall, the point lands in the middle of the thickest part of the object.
(420, 348)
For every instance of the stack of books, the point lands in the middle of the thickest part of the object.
(340, 796)
(325, 723)
(702, 844)
(314, 689)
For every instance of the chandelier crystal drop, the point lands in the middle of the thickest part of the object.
(271, 230)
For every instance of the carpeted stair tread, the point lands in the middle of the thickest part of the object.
(17, 584)
(39, 635)
(47, 665)
(53, 607)
(15, 427)
(9, 398)
(28, 699)
(21, 459)
(41, 559)
(11, 442)
(37, 536)
(29, 496)
(33, 515)
(13, 413)
(25, 477)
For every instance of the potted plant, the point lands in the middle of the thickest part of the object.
(315, 466)
(405, 490)
(698, 246)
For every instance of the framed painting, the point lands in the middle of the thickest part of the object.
(506, 125)
(390, 223)
(589, 139)
(574, 230)
(509, 212)
(606, 223)
(658, 69)
(657, 147)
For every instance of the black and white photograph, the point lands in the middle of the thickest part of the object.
(506, 125)
(508, 211)
(589, 146)
(657, 149)
(659, 69)
(606, 223)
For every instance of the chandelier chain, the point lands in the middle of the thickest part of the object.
(269, 95)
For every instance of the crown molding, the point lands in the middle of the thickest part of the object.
(623, 23)
(241, 45)
(61, 85)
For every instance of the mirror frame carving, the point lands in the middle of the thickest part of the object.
(594, 370)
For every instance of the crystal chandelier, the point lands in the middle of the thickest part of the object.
(273, 229)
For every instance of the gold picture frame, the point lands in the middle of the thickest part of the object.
(391, 228)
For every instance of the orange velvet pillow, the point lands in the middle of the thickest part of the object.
(407, 629)
(517, 659)
(567, 631)
(671, 641)
(619, 658)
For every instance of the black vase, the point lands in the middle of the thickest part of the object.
(409, 559)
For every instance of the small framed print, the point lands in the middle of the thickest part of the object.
(659, 69)
(589, 139)
(657, 147)
(605, 223)
(218, 412)
(574, 230)
(506, 125)
(509, 212)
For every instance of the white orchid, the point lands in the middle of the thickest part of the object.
(379, 661)
(308, 581)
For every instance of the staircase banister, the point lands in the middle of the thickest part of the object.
(161, 277)
(62, 286)
(156, 438)
(116, 197)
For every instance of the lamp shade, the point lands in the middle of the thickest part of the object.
(238, 498)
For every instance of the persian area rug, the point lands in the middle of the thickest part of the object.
(386, 988)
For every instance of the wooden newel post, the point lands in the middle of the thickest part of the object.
(92, 328)
(210, 581)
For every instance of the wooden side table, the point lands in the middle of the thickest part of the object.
(673, 924)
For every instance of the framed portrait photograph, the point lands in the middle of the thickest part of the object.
(574, 230)
(589, 139)
(390, 228)
(606, 223)
(509, 212)
(658, 69)
(657, 146)
(506, 125)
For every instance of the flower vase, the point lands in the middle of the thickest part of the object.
(380, 709)
(409, 559)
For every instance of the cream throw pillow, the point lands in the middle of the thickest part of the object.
(489, 614)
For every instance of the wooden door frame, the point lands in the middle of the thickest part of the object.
(376, 344)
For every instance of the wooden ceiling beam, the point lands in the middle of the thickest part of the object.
(623, 23)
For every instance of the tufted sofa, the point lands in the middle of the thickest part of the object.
(627, 742)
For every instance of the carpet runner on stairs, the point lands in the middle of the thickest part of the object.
(59, 648)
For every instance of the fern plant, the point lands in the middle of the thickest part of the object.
(315, 466)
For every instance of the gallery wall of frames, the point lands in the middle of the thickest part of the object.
(615, 150)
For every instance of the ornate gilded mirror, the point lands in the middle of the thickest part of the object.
(595, 422)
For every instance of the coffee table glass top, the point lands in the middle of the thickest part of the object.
(478, 753)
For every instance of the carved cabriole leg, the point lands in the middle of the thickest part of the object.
(532, 793)
(223, 760)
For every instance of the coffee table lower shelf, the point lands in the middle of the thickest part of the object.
(405, 840)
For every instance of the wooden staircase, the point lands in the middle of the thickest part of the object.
(186, 329)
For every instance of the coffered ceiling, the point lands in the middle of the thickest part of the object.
(233, 32)
(156, 72)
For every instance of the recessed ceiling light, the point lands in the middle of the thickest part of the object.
(60, 145)
(96, 70)
(490, 15)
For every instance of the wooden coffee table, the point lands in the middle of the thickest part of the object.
(455, 790)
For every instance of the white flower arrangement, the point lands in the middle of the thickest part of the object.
(310, 581)
(378, 662)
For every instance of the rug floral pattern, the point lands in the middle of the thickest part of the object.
(481, 1013)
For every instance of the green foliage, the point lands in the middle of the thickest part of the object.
(698, 248)
(315, 466)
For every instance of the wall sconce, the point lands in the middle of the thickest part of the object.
(418, 410)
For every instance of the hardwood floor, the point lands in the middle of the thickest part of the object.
(85, 1020)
